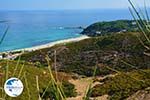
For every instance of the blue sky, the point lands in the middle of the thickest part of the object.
(64, 4)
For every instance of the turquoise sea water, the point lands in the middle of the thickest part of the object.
(32, 28)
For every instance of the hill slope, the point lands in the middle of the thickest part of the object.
(81, 57)
(28, 77)
(124, 85)
(101, 28)
(120, 53)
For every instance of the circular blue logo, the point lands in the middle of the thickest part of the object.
(13, 87)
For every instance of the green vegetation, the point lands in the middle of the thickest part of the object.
(50, 93)
(102, 28)
(118, 47)
(81, 57)
(120, 52)
(123, 85)
(27, 73)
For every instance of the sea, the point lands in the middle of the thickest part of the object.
(33, 28)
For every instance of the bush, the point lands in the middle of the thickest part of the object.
(123, 85)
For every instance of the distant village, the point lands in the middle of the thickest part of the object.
(10, 55)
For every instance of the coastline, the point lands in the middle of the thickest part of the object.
(51, 44)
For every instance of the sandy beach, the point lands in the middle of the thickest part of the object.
(51, 44)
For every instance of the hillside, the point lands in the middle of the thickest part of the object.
(124, 85)
(120, 54)
(102, 28)
(81, 57)
(28, 77)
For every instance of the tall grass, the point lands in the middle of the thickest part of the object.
(143, 22)
(90, 88)
(56, 85)
(6, 72)
(3, 36)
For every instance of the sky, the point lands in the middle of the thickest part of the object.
(65, 4)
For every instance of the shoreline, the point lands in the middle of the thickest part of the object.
(51, 44)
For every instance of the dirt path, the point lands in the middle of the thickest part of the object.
(81, 87)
